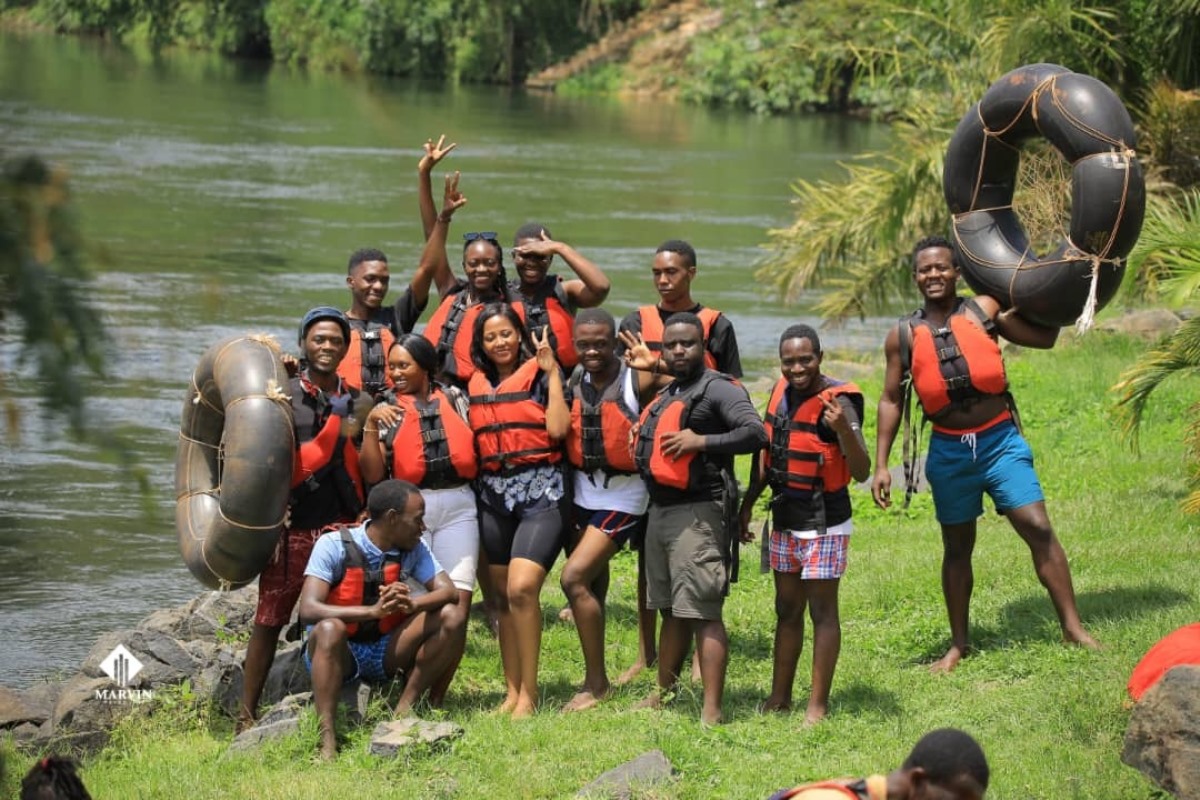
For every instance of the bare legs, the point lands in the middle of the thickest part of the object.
(647, 628)
(260, 654)
(792, 596)
(713, 647)
(518, 586)
(1049, 562)
(423, 647)
(587, 563)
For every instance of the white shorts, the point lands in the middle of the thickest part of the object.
(452, 532)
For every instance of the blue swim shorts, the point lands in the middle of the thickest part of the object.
(368, 660)
(961, 467)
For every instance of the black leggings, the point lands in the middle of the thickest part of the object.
(535, 536)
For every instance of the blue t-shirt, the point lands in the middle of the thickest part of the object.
(328, 559)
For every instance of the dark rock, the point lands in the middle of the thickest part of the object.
(646, 770)
(87, 710)
(288, 675)
(25, 734)
(209, 616)
(164, 661)
(1163, 737)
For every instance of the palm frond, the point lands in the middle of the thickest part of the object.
(1178, 354)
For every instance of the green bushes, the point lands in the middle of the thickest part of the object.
(475, 41)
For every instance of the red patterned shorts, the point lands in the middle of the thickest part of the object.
(822, 558)
(280, 583)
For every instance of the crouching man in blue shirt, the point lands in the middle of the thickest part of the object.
(365, 622)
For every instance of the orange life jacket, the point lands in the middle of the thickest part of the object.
(449, 330)
(652, 330)
(360, 587)
(955, 365)
(669, 413)
(509, 425)
(433, 447)
(827, 790)
(600, 426)
(365, 364)
(797, 458)
(326, 481)
(549, 307)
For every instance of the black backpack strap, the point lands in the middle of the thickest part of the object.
(910, 429)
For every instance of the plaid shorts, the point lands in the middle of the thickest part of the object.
(822, 558)
(369, 660)
(280, 583)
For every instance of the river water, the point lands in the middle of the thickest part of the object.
(219, 197)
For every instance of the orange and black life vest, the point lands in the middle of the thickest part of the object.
(365, 364)
(326, 482)
(854, 790)
(548, 307)
(433, 447)
(360, 587)
(669, 413)
(509, 425)
(600, 426)
(652, 329)
(804, 461)
(955, 365)
(449, 330)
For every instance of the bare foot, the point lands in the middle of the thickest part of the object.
(772, 704)
(814, 714)
(947, 662)
(523, 709)
(584, 700)
(711, 717)
(1081, 638)
(510, 702)
(566, 615)
(631, 673)
(328, 751)
(654, 700)
(243, 723)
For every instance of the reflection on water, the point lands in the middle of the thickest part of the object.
(221, 197)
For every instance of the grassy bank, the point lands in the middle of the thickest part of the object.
(1050, 718)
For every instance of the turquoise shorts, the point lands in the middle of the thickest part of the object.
(961, 467)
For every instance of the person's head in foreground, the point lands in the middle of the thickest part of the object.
(53, 778)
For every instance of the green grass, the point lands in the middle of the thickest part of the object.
(1050, 718)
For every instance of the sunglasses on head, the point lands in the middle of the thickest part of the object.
(489, 236)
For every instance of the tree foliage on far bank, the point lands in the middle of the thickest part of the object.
(43, 284)
(462, 40)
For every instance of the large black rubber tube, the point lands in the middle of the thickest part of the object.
(1089, 126)
(234, 463)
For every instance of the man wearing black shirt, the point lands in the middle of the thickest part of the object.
(685, 448)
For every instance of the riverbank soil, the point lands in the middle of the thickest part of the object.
(653, 47)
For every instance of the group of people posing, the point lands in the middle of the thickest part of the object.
(524, 421)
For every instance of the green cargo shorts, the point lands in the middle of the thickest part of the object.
(685, 560)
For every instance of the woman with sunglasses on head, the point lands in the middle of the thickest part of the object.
(547, 301)
(449, 329)
(520, 416)
(418, 432)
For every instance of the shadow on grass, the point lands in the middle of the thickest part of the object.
(1119, 602)
(1032, 619)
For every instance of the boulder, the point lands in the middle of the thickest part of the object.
(209, 616)
(1151, 323)
(33, 705)
(619, 783)
(1163, 737)
(164, 660)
